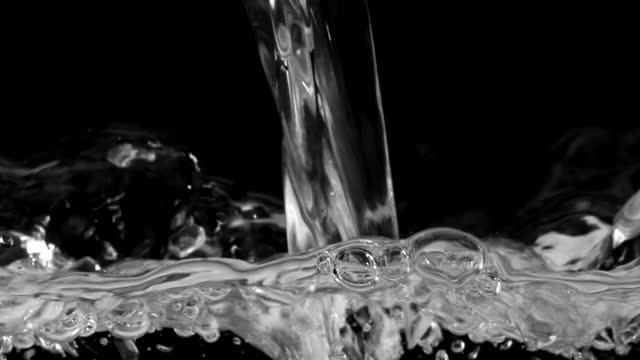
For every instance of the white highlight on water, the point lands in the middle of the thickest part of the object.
(454, 280)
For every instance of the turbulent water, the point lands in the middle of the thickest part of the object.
(80, 256)
(117, 232)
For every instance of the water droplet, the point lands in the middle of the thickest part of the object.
(237, 340)
(324, 262)
(186, 240)
(124, 154)
(396, 262)
(506, 345)
(473, 355)
(104, 341)
(164, 349)
(184, 332)
(127, 349)
(191, 308)
(447, 256)
(442, 355)
(29, 354)
(211, 336)
(355, 268)
(457, 346)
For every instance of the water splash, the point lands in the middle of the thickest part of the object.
(543, 309)
(437, 280)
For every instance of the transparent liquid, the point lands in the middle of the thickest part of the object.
(400, 293)
(119, 233)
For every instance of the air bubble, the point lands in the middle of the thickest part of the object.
(190, 312)
(396, 262)
(90, 326)
(506, 345)
(72, 316)
(211, 336)
(457, 346)
(442, 355)
(447, 256)
(355, 267)
(130, 320)
(184, 332)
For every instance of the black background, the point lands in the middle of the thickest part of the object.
(473, 97)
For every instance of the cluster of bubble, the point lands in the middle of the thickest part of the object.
(54, 324)
(447, 257)
(363, 264)
(450, 278)
(438, 277)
